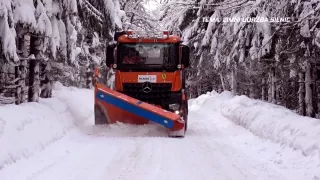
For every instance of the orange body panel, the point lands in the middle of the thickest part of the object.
(161, 77)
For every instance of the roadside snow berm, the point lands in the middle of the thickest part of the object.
(149, 83)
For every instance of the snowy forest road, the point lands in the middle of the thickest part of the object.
(214, 148)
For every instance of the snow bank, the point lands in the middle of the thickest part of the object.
(266, 120)
(31, 127)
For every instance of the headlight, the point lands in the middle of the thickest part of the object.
(174, 107)
(177, 112)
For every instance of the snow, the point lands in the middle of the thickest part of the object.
(229, 137)
(49, 7)
(43, 21)
(24, 12)
(109, 7)
(55, 8)
(273, 122)
(210, 29)
(307, 11)
(317, 39)
(73, 6)
(151, 5)
(63, 38)
(33, 128)
(95, 40)
(7, 35)
(118, 13)
(265, 29)
(7, 3)
(111, 78)
(72, 42)
(214, 42)
(190, 31)
(96, 59)
(55, 39)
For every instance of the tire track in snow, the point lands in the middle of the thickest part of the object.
(46, 168)
(234, 155)
(124, 162)
(220, 162)
(144, 160)
(132, 159)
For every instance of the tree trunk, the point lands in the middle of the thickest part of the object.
(199, 90)
(252, 93)
(219, 88)
(46, 82)
(318, 102)
(18, 88)
(223, 85)
(233, 82)
(24, 64)
(272, 86)
(65, 19)
(269, 86)
(301, 95)
(263, 90)
(89, 76)
(315, 98)
(308, 95)
(21, 69)
(23, 77)
(34, 73)
(34, 81)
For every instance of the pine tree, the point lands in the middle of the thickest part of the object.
(269, 61)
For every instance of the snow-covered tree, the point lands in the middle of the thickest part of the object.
(137, 16)
(258, 59)
(56, 39)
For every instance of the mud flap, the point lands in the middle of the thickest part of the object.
(122, 108)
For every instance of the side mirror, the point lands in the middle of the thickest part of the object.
(185, 56)
(118, 34)
(110, 54)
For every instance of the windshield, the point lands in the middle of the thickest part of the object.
(164, 54)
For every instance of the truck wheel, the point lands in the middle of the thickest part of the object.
(99, 117)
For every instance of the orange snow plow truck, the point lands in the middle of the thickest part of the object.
(149, 82)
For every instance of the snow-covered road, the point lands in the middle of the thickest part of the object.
(214, 148)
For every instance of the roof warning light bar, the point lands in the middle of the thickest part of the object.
(147, 34)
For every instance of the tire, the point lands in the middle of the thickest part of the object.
(99, 117)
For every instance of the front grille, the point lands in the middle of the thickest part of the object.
(160, 91)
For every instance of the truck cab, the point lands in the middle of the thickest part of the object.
(150, 66)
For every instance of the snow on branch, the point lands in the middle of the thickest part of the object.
(43, 21)
(24, 13)
(6, 100)
(7, 35)
(96, 13)
(222, 5)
